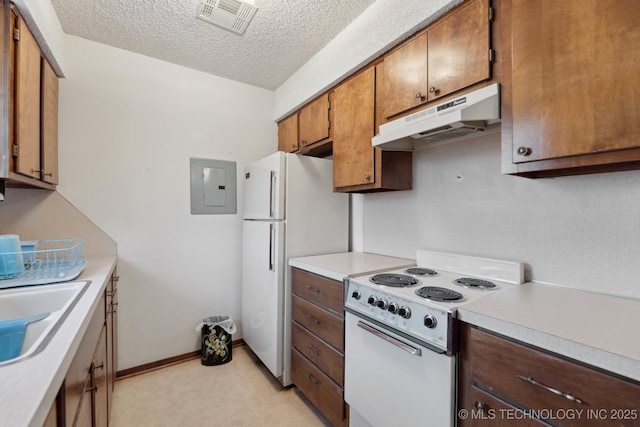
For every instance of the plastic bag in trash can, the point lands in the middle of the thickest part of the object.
(216, 334)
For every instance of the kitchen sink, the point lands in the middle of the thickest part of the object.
(42, 309)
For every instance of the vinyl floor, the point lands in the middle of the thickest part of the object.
(239, 393)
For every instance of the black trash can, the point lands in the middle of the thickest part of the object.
(216, 334)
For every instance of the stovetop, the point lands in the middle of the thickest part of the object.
(402, 298)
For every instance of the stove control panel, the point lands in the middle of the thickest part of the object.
(428, 323)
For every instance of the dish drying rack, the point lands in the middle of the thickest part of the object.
(50, 261)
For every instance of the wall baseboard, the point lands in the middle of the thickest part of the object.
(152, 366)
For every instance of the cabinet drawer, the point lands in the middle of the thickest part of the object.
(325, 357)
(510, 369)
(325, 325)
(319, 290)
(318, 388)
(488, 410)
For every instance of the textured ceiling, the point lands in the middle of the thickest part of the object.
(283, 35)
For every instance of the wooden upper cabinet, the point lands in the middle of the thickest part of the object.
(357, 166)
(405, 82)
(353, 154)
(452, 54)
(32, 103)
(49, 124)
(288, 134)
(27, 102)
(314, 122)
(458, 49)
(573, 94)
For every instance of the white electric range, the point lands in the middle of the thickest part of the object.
(401, 336)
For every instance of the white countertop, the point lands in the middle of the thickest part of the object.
(30, 387)
(346, 264)
(597, 329)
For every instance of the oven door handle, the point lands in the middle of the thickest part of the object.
(406, 347)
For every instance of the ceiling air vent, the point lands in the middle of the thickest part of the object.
(232, 15)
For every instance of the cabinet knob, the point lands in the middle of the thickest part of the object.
(433, 89)
(367, 177)
(524, 151)
(419, 95)
(480, 406)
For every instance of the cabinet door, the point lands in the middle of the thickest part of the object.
(405, 77)
(100, 383)
(49, 124)
(27, 103)
(112, 336)
(83, 417)
(458, 50)
(354, 112)
(288, 134)
(575, 74)
(314, 123)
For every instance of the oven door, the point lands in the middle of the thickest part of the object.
(392, 381)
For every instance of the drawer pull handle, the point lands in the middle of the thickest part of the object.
(552, 390)
(313, 350)
(313, 319)
(480, 406)
(100, 366)
(312, 380)
(312, 289)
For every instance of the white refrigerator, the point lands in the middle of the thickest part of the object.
(290, 210)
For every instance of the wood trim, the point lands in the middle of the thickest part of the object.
(163, 363)
(5, 92)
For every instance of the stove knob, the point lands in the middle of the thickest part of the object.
(405, 312)
(430, 321)
(372, 300)
(383, 304)
(356, 295)
(393, 307)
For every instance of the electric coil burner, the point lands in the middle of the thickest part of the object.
(419, 271)
(393, 280)
(436, 293)
(473, 283)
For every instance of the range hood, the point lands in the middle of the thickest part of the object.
(456, 119)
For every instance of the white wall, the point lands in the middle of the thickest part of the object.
(579, 231)
(128, 126)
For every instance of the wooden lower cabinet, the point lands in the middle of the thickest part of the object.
(85, 397)
(100, 385)
(325, 394)
(112, 334)
(517, 384)
(317, 360)
(78, 381)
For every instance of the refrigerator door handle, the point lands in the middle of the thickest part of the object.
(272, 195)
(272, 242)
